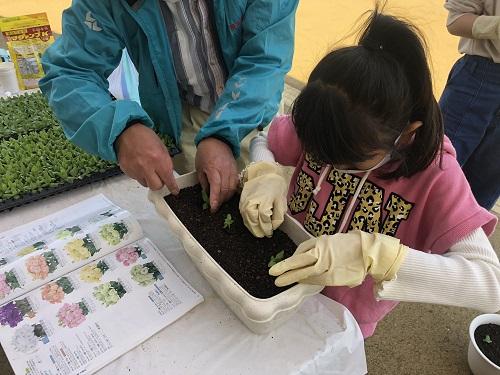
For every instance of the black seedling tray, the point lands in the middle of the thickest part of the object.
(63, 187)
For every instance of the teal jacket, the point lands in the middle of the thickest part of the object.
(256, 39)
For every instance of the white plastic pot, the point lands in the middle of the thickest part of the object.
(478, 362)
(259, 315)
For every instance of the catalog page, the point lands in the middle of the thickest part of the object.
(81, 287)
(78, 323)
(43, 250)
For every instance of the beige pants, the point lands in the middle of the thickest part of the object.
(192, 121)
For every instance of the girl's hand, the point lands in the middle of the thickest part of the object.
(342, 259)
(263, 199)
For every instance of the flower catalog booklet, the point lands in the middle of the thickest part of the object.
(81, 287)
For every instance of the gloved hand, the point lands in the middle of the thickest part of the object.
(342, 259)
(263, 199)
(486, 27)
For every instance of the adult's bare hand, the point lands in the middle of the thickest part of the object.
(143, 157)
(217, 171)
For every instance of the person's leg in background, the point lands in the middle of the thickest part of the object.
(470, 105)
(482, 169)
(192, 121)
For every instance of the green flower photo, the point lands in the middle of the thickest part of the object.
(145, 274)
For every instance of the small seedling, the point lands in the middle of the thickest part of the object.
(228, 221)
(206, 200)
(487, 339)
(276, 258)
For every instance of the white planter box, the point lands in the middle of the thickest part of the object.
(259, 315)
(478, 362)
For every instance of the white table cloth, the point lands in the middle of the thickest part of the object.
(322, 338)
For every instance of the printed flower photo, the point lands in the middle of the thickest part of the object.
(68, 232)
(54, 292)
(109, 293)
(113, 233)
(81, 249)
(40, 245)
(71, 315)
(129, 255)
(8, 282)
(92, 273)
(145, 274)
(39, 266)
(14, 312)
(26, 338)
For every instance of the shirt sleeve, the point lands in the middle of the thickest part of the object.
(468, 275)
(283, 141)
(457, 8)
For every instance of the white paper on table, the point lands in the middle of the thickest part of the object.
(51, 236)
(84, 214)
(106, 331)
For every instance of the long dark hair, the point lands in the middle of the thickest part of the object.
(359, 99)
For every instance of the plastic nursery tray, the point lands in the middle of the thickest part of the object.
(260, 315)
(63, 187)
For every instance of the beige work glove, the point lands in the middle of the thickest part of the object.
(342, 259)
(263, 199)
(486, 27)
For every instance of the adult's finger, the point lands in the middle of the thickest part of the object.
(153, 180)
(202, 179)
(229, 183)
(214, 180)
(165, 171)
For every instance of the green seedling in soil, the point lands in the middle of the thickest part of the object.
(276, 258)
(487, 339)
(206, 200)
(228, 221)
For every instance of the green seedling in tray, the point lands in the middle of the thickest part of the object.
(276, 258)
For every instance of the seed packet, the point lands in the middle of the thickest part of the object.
(27, 38)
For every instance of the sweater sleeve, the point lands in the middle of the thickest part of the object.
(468, 275)
(283, 142)
(457, 8)
(259, 150)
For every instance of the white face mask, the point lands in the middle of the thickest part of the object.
(385, 160)
(328, 167)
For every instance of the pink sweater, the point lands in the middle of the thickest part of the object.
(430, 211)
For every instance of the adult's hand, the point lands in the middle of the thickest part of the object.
(217, 171)
(143, 157)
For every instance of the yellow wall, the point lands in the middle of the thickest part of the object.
(320, 23)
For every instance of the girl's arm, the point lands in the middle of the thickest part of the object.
(259, 150)
(468, 275)
(279, 144)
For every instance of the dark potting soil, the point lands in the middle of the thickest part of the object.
(242, 255)
(487, 337)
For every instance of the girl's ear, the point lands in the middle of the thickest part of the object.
(408, 133)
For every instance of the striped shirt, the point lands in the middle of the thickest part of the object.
(199, 68)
